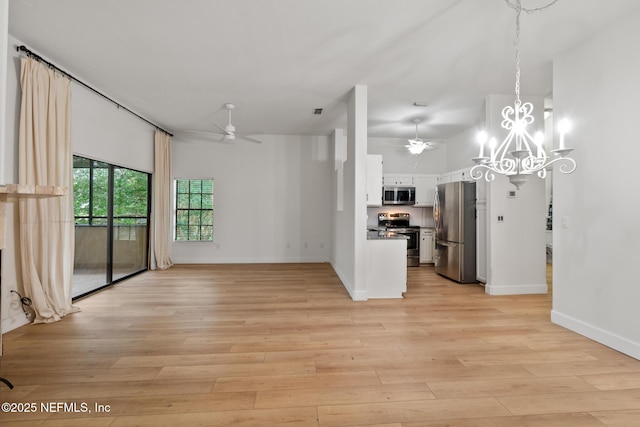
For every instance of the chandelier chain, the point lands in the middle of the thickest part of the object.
(517, 6)
(517, 45)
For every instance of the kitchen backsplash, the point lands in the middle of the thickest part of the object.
(422, 217)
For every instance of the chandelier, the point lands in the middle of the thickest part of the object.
(520, 155)
(417, 145)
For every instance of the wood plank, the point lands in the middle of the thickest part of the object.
(618, 418)
(509, 387)
(551, 420)
(342, 395)
(371, 413)
(615, 400)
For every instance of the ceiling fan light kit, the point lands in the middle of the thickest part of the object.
(520, 155)
(417, 145)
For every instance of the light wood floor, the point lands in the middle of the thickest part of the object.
(262, 345)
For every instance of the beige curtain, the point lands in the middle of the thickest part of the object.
(162, 206)
(45, 158)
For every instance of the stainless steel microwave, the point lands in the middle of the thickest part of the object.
(394, 195)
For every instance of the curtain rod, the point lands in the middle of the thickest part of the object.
(26, 50)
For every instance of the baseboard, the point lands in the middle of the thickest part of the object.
(616, 342)
(355, 295)
(249, 260)
(515, 289)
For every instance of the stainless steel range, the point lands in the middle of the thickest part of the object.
(399, 223)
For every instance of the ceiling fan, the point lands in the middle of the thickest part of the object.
(228, 132)
(417, 145)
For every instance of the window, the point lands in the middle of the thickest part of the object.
(194, 209)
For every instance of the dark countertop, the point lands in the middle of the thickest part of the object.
(384, 235)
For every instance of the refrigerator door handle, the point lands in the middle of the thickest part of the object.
(441, 243)
(436, 212)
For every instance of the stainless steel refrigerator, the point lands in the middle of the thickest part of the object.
(454, 214)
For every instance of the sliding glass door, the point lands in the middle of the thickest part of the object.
(112, 217)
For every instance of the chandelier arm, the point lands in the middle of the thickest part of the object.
(568, 166)
(502, 150)
(477, 172)
(528, 140)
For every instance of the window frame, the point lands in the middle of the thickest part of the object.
(188, 211)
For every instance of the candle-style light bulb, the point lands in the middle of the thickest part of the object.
(482, 139)
(539, 140)
(564, 126)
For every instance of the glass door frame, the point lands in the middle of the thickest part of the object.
(110, 237)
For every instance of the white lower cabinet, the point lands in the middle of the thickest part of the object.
(386, 268)
(427, 245)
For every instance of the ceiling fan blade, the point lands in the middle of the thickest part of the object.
(224, 131)
(248, 138)
(202, 132)
(251, 132)
(210, 136)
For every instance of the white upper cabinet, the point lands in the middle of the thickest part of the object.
(425, 189)
(455, 176)
(398, 179)
(444, 178)
(461, 175)
(374, 180)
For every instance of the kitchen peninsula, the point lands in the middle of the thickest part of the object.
(386, 264)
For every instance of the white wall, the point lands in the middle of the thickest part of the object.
(350, 223)
(4, 27)
(461, 149)
(98, 130)
(4, 47)
(596, 232)
(271, 200)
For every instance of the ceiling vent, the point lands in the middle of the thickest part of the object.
(317, 111)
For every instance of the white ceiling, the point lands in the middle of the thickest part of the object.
(177, 62)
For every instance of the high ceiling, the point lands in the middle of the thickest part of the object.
(178, 62)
